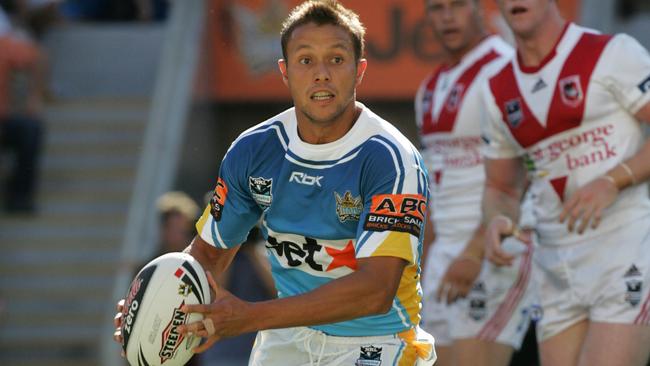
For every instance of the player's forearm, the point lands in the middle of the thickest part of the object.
(214, 260)
(475, 247)
(499, 202)
(359, 294)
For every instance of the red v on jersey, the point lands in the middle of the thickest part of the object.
(566, 109)
(447, 117)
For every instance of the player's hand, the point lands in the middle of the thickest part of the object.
(117, 321)
(458, 279)
(499, 227)
(586, 205)
(226, 316)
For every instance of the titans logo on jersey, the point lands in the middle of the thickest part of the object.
(323, 207)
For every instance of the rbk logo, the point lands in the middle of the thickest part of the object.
(305, 179)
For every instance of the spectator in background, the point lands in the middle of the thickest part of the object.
(22, 85)
(177, 212)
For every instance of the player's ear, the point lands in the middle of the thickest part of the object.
(282, 65)
(362, 64)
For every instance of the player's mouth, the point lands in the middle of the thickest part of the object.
(450, 31)
(518, 10)
(322, 95)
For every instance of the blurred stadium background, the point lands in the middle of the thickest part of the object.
(143, 102)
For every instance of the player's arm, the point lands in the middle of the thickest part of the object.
(504, 187)
(628, 81)
(464, 269)
(213, 260)
(367, 291)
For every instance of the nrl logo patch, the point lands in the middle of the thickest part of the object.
(348, 207)
(455, 95)
(571, 91)
(514, 114)
(260, 188)
(370, 356)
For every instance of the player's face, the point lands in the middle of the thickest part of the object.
(525, 16)
(456, 23)
(321, 72)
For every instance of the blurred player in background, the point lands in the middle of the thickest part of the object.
(342, 196)
(477, 313)
(572, 102)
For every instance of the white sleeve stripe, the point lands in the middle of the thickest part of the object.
(398, 172)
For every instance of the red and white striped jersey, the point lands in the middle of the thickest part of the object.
(573, 119)
(448, 113)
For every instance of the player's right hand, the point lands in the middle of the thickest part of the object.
(117, 321)
(499, 227)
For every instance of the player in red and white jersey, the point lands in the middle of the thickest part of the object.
(570, 104)
(478, 314)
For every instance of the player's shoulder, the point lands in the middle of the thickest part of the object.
(383, 138)
(267, 135)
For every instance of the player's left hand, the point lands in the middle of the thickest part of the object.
(226, 316)
(586, 205)
(458, 279)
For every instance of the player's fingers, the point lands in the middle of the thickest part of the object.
(576, 214)
(117, 336)
(203, 347)
(198, 308)
(442, 290)
(193, 327)
(568, 207)
(117, 320)
(586, 218)
(209, 326)
(120, 306)
(597, 217)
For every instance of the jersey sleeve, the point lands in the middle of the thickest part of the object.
(498, 141)
(395, 191)
(232, 212)
(626, 72)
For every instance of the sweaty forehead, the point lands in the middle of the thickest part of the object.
(319, 37)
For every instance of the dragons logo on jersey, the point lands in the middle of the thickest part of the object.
(634, 285)
(348, 207)
(218, 199)
(514, 114)
(260, 188)
(396, 212)
(369, 356)
(570, 90)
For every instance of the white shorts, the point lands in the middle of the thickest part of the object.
(304, 346)
(605, 280)
(498, 308)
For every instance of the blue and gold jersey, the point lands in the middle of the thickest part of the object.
(322, 207)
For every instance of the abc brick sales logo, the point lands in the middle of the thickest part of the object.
(171, 338)
(218, 199)
(397, 212)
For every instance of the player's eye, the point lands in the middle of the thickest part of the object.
(304, 61)
(337, 60)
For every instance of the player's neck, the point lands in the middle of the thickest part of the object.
(316, 132)
(533, 49)
(454, 57)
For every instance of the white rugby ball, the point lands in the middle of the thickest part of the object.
(152, 313)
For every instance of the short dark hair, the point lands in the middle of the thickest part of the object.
(324, 12)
